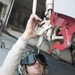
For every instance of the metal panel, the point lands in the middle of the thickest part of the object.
(65, 7)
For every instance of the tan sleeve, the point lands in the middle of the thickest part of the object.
(13, 57)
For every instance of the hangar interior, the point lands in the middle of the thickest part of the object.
(17, 21)
(21, 11)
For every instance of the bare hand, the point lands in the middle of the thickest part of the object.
(30, 28)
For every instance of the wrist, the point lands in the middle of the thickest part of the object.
(26, 36)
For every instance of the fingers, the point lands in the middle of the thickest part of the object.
(30, 28)
(33, 21)
(35, 18)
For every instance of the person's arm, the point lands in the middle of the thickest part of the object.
(13, 57)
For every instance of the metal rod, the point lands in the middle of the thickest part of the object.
(34, 6)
